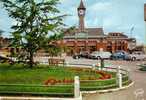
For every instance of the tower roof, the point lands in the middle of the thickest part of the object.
(81, 6)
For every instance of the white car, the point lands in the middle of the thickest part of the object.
(137, 56)
(100, 55)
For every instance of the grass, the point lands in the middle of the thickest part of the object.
(98, 83)
(18, 74)
(66, 90)
(21, 80)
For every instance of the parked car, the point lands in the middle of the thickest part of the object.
(76, 56)
(84, 54)
(120, 55)
(100, 55)
(137, 56)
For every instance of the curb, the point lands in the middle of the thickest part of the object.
(109, 90)
(38, 98)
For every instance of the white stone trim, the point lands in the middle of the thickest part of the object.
(108, 90)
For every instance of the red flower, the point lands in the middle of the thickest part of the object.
(50, 81)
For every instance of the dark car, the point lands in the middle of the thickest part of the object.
(76, 56)
(120, 55)
(84, 54)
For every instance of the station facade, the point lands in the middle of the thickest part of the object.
(93, 39)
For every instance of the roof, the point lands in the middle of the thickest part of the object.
(95, 31)
(117, 35)
(81, 6)
(84, 37)
(90, 31)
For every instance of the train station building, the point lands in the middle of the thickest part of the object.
(94, 39)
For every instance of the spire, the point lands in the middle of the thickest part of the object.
(81, 6)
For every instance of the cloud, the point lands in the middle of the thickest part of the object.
(113, 15)
(72, 19)
(101, 6)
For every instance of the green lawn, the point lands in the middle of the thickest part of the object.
(19, 79)
(18, 74)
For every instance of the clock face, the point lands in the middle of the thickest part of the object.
(81, 12)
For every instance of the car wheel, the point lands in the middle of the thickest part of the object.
(115, 58)
(98, 58)
(133, 58)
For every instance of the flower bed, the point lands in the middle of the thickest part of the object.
(103, 76)
(52, 80)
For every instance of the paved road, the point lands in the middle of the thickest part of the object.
(136, 92)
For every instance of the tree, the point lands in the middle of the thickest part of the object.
(54, 49)
(35, 19)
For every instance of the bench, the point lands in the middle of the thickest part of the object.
(56, 61)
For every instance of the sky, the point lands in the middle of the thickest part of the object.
(111, 15)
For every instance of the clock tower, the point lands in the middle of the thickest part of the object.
(81, 13)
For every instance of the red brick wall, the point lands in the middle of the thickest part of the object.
(89, 45)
